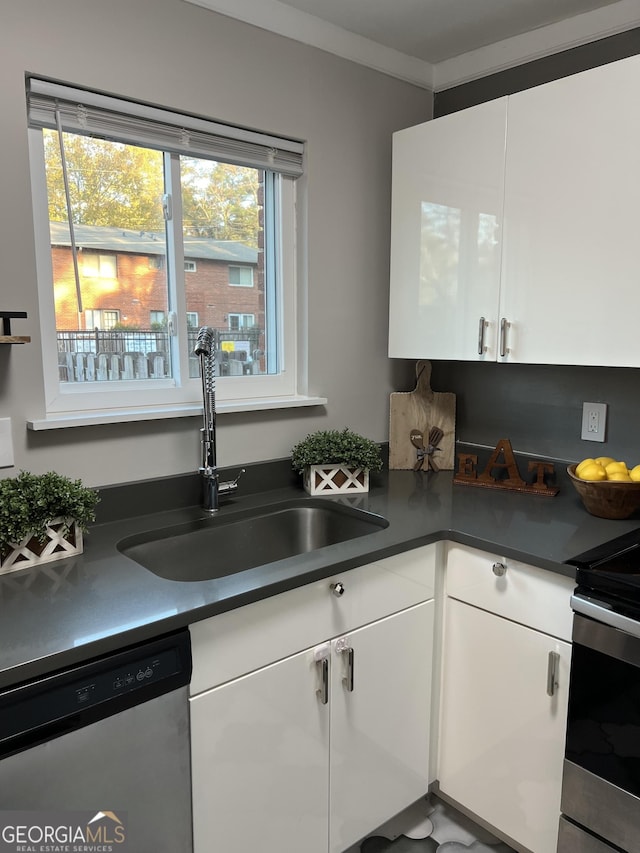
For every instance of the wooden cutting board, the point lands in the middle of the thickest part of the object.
(421, 409)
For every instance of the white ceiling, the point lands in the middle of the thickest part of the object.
(434, 30)
(437, 43)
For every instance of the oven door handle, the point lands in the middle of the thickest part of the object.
(605, 630)
(591, 608)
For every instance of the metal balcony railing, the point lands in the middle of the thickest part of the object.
(108, 355)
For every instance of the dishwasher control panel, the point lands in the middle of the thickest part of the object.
(120, 680)
(80, 695)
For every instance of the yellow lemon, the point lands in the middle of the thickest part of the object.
(604, 460)
(615, 468)
(594, 471)
(619, 477)
(634, 473)
(581, 465)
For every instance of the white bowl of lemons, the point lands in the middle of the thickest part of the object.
(608, 487)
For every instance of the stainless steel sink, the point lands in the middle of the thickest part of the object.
(216, 547)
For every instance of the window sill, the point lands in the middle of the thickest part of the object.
(118, 416)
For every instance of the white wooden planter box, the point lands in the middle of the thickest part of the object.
(335, 480)
(64, 539)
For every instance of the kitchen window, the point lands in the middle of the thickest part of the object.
(127, 199)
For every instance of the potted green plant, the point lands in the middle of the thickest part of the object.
(336, 461)
(42, 518)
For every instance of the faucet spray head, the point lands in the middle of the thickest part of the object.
(204, 341)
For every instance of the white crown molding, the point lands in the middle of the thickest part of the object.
(292, 23)
(300, 26)
(573, 32)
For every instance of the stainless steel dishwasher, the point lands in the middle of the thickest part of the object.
(98, 755)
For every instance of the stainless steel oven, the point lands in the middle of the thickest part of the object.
(601, 780)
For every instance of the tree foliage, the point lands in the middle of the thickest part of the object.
(118, 185)
(109, 183)
(220, 200)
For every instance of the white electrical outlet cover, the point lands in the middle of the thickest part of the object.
(594, 421)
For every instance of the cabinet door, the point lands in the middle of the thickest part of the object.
(502, 735)
(379, 722)
(260, 750)
(570, 265)
(446, 219)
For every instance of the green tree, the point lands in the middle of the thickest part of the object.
(220, 200)
(118, 185)
(110, 183)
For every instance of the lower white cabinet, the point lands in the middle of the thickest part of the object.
(379, 745)
(260, 762)
(316, 749)
(311, 710)
(504, 695)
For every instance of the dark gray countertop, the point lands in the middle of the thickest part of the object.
(61, 613)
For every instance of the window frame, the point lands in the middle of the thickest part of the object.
(241, 314)
(153, 396)
(101, 267)
(102, 312)
(240, 267)
(110, 317)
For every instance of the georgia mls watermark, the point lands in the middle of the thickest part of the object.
(63, 832)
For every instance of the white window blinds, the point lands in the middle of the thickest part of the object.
(94, 114)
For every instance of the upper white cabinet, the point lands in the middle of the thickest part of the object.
(570, 261)
(521, 211)
(446, 216)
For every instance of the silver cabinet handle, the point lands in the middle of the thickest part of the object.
(348, 679)
(343, 648)
(337, 589)
(481, 328)
(499, 569)
(503, 336)
(323, 691)
(553, 669)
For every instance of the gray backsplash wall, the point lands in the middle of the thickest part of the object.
(539, 407)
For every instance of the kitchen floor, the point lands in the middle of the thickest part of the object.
(431, 826)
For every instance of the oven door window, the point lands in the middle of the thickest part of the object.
(603, 730)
